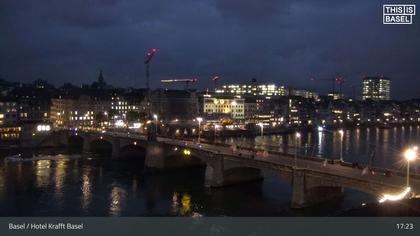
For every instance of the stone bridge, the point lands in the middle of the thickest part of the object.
(312, 181)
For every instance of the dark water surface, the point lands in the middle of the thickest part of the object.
(92, 185)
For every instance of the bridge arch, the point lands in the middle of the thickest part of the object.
(241, 174)
(75, 143)
(101, 146)
(133, 152)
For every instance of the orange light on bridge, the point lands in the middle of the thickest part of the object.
(396, 197)
(187, 152)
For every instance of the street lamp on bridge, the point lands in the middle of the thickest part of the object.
(341, 132)
(199, 119)
(216, 126)
(297, 136)
(261, 125)
(156, 123)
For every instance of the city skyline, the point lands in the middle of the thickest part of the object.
(285, 44)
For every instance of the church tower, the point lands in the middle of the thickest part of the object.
(101, 78)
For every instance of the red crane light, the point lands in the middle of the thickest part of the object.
(149, 55)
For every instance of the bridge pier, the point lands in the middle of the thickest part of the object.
(63, 139)
(214, 176)
(116, 145)
(307, 191)
(154, 156)
(86, 144)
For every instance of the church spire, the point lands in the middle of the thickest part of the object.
(101, 77)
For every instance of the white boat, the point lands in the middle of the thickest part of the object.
(18, 157)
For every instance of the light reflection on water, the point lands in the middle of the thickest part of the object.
(60, 175)
(86, 190)
(117, 201)
(43, 173)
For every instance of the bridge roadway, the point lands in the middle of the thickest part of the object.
(346, 175)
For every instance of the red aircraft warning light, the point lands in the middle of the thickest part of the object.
(215, 79)
(149, 57)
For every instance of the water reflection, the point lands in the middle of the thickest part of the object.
(60, 175)
(86, 190)
(117, 201)
(320, 143)
(186, 204)
(175, 203)
(43, 173)
(134, 186)
(181, 204)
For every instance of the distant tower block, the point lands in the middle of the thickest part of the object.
(376, 88)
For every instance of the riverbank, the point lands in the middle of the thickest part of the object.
(292, 129)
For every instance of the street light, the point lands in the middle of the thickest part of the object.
(215, 129)
(341, 132)
(320, 128)
(262, 128)
(156, 122)
(297, 136)
(410, 155)
(199, 119)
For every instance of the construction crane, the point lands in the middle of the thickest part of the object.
(151, 133)
(215, 79)
(149, 57)
(334, 81)
(186, 81)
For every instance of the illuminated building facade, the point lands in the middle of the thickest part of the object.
(77, 112)
(233, 107)
(120, 105)
(8, 113)
(376, 88)
(9, 120)
(266, 90)
(335, 95)
(304, 93)
(299, 111)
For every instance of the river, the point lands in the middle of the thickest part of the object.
(94, 185)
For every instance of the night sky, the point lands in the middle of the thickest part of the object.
(286, 42)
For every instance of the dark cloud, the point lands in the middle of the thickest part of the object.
(279, 41)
